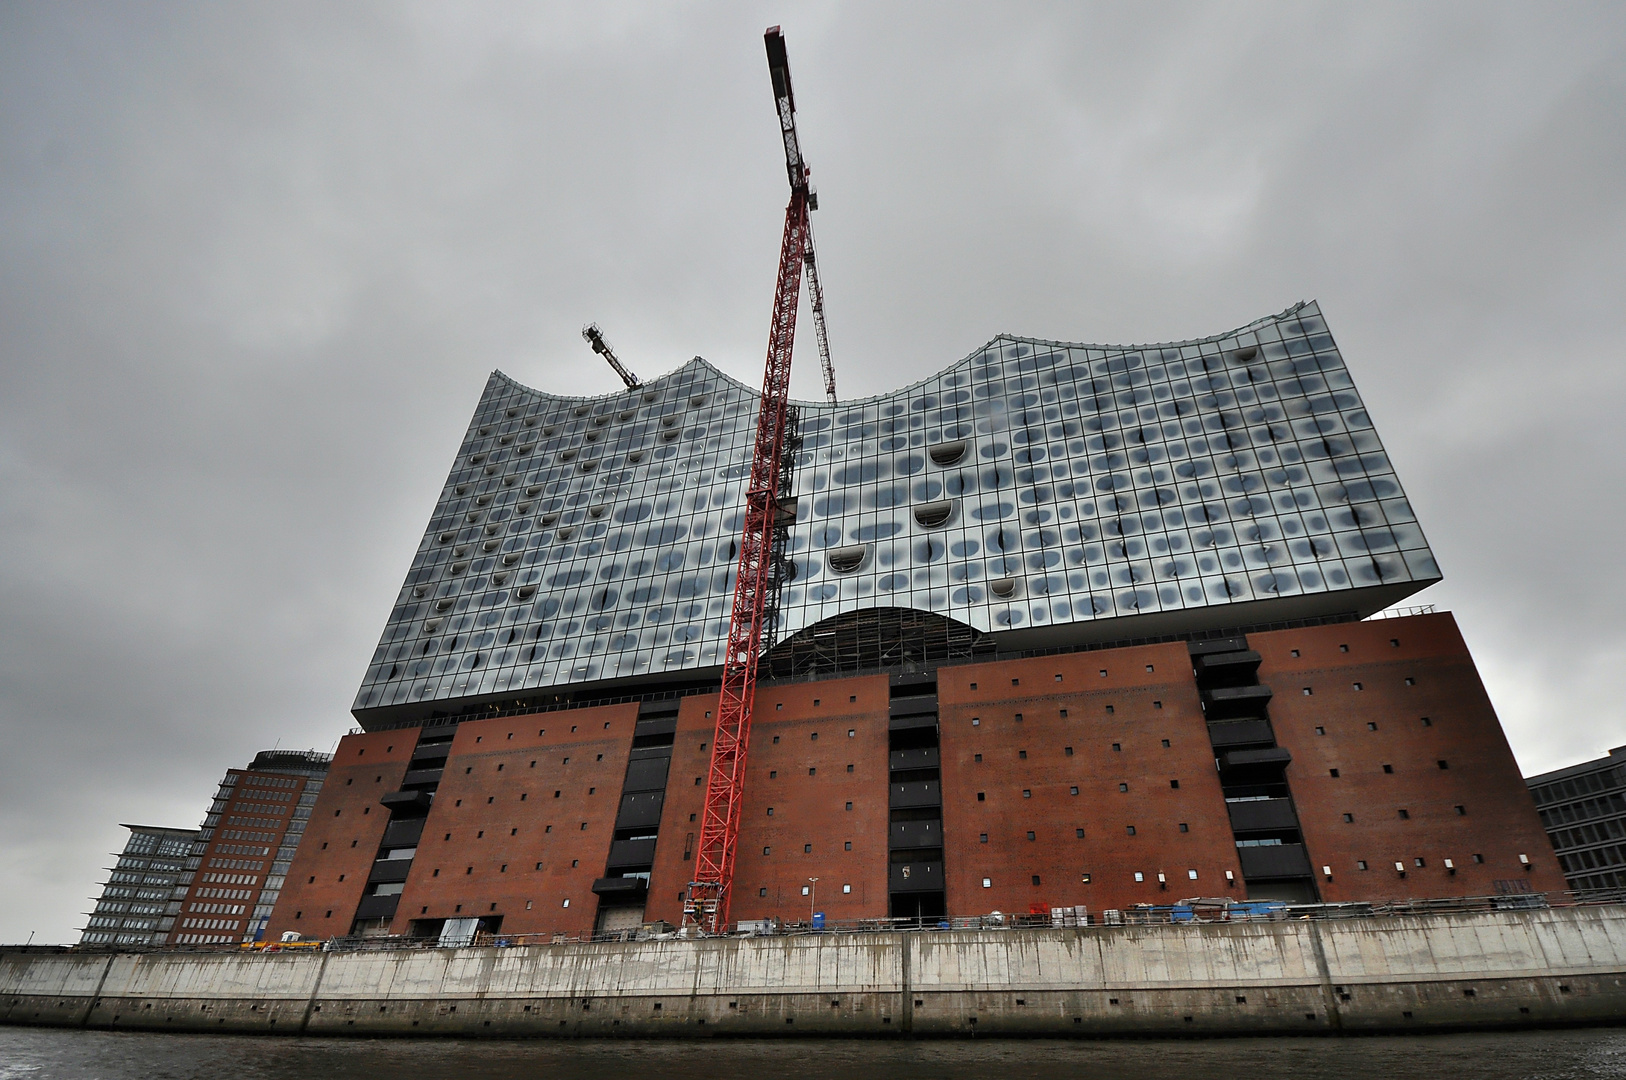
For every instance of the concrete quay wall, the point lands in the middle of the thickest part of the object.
(1493, 969)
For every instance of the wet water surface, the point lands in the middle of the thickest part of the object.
(45, 1054)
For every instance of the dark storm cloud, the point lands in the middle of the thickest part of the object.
(256, 262)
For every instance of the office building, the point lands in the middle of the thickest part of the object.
(240, 858)
(1583, 808)
(138, 902)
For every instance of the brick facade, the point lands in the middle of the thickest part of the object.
(329, 871)
(1137, 726)
(525, 813)
(1423, 768)
(522, 821)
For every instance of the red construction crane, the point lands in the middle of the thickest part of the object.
(710, 891)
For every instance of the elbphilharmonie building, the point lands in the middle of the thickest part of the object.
(1062, 628)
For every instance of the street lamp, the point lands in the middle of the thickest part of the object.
(812, 898)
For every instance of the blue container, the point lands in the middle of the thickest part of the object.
(818, 920)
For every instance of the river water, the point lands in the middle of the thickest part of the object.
(45, 1054)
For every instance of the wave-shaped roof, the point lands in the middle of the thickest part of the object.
(1043, 492)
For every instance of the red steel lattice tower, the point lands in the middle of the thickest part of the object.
(709, 893)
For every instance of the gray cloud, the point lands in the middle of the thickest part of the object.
(256, 262)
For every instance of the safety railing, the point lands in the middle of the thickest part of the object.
(1184, 913)
(1403, 612)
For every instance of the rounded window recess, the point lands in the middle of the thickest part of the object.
(460, 550)
(550, 518)
(669, 436)
(946, 454)
(844, 560)
(491, 470)
(482, 500)
(635, 457)
(421, 591)
(524, 448)
(626, 414)
(500, 578)
(581, 410)
(461, 489)
(446, 537)
(595, 511)
(472, 516)
(600, 421)
(431, 625)
(592, 436)
(513, 412)
(549, 429)
(506, 439)
(485, 430)
(698, 400)
(1004, 588)
(491, 545)
(524, 592)
(530, 421)
(509, 481)
(567, 455)
(523, 507)
(493, 529)
(933, 514)
(534, 490)
(475, 459)
(651, 396)
(669, 420)
(457, 568)
(1246, 354)
(587, 466)
(512, 557)
(442, 605)
(567, 532)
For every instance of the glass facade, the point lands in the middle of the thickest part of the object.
(137, 905)
(1583, 809)
(1033, 486)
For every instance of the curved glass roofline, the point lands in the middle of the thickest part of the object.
(884, 395)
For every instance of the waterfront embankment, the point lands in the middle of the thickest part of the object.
(1501, 969)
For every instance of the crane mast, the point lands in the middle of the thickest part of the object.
(710, 892)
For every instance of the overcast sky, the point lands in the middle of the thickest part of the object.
(256, 262)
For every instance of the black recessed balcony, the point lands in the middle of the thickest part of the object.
(1262, 815)
(925, 757)
(403, 833)
(377, 907)
(632, 852)
(914, 706)
(1237, 759)
(917, 793)
(621, 888)
(390, 870)
(915, 834)
(408, 803)
(1237, 733)
(1229, 667)
(1274, 861)
(1236, 701)
(916, 877)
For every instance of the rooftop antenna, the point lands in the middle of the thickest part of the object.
(595, 338)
